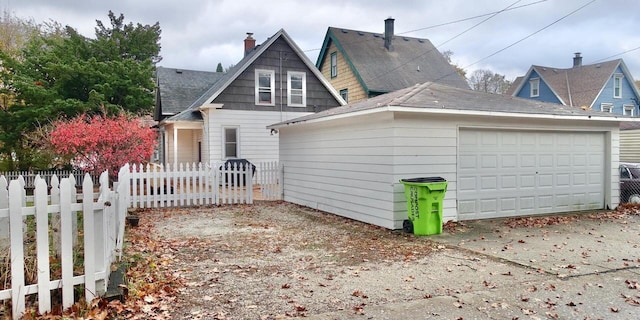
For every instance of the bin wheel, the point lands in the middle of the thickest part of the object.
(407, 226)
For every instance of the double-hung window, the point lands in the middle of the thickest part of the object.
(230, 142)
(606, 107)
(296, 89)
(617, 86)
(265, 87)
(334, 64)
(535, 87)
(344, 93)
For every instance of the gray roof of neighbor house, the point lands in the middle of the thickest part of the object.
(443, 99)
(578, 86)
(178, 88)
(411, 61)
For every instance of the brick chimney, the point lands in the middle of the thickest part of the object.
(577, 60)
(388, 33)
(249, 43)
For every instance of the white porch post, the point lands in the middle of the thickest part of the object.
(175, 145)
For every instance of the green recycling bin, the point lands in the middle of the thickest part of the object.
(424, 205)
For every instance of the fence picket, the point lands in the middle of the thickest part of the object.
(4, 213)
(89, 228)
(17, 248)
(42, 242)
(66, 256)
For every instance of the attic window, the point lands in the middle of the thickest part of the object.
(606, 107)
(534, 85)
(617, 86)
(265, 87)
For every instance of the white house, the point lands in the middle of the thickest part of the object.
(501, 155)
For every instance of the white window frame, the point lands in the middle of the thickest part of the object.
(628, 110)
(333, 58)
(617, 86)
(534, 85)
(344, 93)
(302, 93)
(224, 142)
(271, 89)
(606, 107)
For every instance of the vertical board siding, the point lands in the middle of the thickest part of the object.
(103, 235)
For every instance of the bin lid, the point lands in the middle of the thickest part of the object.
(424, 180)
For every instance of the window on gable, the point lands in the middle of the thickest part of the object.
(265, 87)
(344, 93)
(606, 107)
(230, 142)
(628, 110)
(617, 86)
(334, 64)
(296, 89)
(535, 87)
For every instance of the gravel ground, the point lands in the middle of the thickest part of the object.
(276, 260)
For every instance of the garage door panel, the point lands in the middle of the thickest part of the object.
(509, 173)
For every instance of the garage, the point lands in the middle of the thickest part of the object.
(505, 173)
(502, 156)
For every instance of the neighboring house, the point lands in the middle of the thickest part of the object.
(630, 142)
(213, 117)
(606, 86)
(363, 64)
(502, 156)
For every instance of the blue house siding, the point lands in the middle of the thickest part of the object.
(545, 94)
(628, 95)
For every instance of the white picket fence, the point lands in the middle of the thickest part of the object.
(154, 186)
(103, 233)
(30, 176)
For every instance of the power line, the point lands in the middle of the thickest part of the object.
(477, 24)
(617, 54)
(471, 18)
(532, 34)
(459, 20)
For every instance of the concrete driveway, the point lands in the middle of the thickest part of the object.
(576, 245)
(584, 266)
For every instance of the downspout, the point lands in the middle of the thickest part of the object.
(569, 89)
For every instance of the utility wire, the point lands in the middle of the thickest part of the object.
(532, 34)
(471, 18)
(457, 21)
(617, 54)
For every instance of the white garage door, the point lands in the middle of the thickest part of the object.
(505, 173)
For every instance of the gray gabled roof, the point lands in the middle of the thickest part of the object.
(412, 60)
(178, 88)
(232, 74)
(577, 86)
(438, 98)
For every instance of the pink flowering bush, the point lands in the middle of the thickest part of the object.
(99, 143)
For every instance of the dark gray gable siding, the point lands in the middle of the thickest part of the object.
(279, 57)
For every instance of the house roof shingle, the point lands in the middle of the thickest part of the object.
(412, 60)
(445, 98)
(178, 88)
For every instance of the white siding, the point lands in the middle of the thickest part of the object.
(352, 166)
(345, 169)
(630, 146)
(256, 143)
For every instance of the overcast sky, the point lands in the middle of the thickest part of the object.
(197, 34)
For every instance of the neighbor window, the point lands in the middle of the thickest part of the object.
(265, 87)
(344, 93)
(617, 86)
(606, 107)
(296, 89)
(230, 143)
(628, 110)
(535, 87)
(334, 64)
